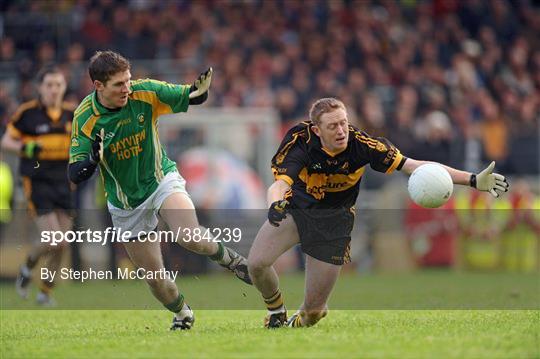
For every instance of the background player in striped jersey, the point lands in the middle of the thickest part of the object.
(317, 170)
(115, 127)
(39, 132)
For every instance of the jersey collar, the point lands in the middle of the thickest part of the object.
(98, 108)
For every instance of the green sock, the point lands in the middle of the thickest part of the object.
(177, 305)
(219, 254)
(222, 255)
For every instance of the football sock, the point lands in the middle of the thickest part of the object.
(222, 255)
(297, 322)
(26, 271)
(274, 304)
(177, 305)
(46, 287)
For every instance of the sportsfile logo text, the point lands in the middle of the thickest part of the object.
(113, 234)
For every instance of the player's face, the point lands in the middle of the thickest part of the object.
(52, 89)
(114, 93)
(333, 130)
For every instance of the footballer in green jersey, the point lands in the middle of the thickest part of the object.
(115, 128)
(133, 162)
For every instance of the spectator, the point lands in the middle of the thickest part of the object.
(285, 54)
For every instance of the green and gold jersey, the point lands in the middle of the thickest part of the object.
(134, 162)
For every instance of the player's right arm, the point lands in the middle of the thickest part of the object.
(82, 170)
(12, 140)
(276, 191)
(86, 150)
(278, 206)
(9, 143)
(287, 163)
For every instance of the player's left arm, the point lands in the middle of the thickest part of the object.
(486, 180)
(458, 177)
(12, 140)
(172, 98)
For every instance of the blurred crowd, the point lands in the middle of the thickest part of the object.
(446, 80)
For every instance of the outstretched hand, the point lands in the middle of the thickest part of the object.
(202, 84)
(488, 181)
(97, 147)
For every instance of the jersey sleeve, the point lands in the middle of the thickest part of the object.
(172, 98)
(16, 126)
(13, 130)
(289, 160)
(80, 145)
(380, 153)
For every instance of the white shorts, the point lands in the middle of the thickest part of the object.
(144, 217)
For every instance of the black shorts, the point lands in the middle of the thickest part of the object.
(45, 196)
(325, 234)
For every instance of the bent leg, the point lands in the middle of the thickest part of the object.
(320, 280)
(270, 243)
(178, 211)
(64, 224)
(53, 254)
(45, 222)
(147, 255)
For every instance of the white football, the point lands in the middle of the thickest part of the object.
(430, 185)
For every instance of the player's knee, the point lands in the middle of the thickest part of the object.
(57, 249)
(257, 264)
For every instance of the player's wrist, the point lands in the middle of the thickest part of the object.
(97, 148)
(92, 159)
(472, 180)
(30, 149)
(81, 171)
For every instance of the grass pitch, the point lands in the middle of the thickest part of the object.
(345, 333)
(220, 334)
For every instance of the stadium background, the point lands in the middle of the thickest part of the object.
(451, 81)
(447, 80)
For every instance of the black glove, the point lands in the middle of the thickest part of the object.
(31, 150)
(97, 148)
(277, 212)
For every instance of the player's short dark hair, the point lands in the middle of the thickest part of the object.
(322, 106)
(105, 64)
(46, 70)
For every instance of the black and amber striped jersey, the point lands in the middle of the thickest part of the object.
(52, 130)
(320, 179)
